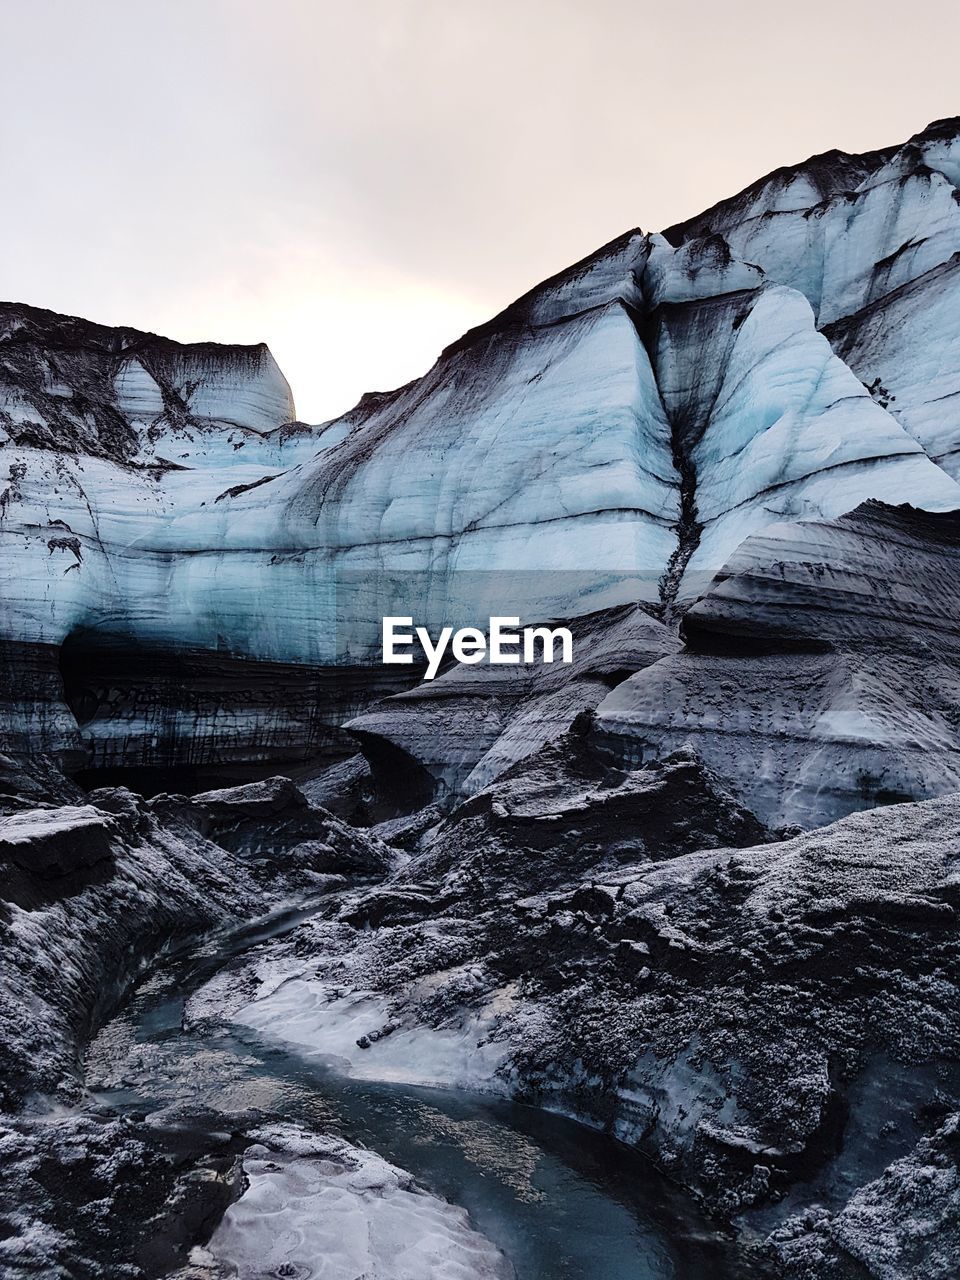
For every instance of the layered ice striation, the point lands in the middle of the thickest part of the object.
(821, 673)
(183, 561)
(872, 242)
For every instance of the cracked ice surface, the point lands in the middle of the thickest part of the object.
(317, 1206)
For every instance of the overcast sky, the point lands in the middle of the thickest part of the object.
(357, 182)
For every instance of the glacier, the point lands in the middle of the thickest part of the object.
(629, 423)
(611, 437)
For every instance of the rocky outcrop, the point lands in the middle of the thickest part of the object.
(905, 1224)
(551, 813)
(91, 1196)
(34, 783)
(273, 825)
(89, 895)
(775, 1024)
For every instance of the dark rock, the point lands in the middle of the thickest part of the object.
(566, 812)
(272, 821)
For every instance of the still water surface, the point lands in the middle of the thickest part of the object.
(563, 1202)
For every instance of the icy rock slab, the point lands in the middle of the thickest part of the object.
(316, 1206)
(801, 738)
(821, 673)
(255, 800)
(52, 842)
(455, 734)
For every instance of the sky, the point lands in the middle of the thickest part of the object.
(356, 182)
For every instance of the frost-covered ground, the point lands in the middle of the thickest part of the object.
(575, 936)
(91, 895)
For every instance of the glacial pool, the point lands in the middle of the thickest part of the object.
(562, 1201)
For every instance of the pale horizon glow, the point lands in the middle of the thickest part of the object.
(358, 184)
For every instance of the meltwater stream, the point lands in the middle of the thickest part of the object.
(563, 1202)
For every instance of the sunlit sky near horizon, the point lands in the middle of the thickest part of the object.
(358, 183)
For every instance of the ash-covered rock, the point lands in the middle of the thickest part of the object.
(821, 672)
(273, 826)
(47, 854)
(34, 782)
(720, 1008)
(565, 811)
(345, 788)
(904, 1225)
(89, 895)
(95, 1196)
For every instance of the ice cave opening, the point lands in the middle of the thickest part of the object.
(128, 701)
